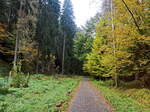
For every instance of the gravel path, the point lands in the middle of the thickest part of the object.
(87, 99)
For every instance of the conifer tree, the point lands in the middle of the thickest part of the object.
(47, 30)
(68, 29)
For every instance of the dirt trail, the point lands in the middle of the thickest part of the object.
(87, 99)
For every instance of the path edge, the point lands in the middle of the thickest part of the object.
(102, 96)
(73, 95)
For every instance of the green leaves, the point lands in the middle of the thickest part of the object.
(93, 64)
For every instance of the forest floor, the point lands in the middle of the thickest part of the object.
(125, 99)
(61, 93)
(44, 94)
(88, 99)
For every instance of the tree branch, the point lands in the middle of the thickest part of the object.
(135, 22)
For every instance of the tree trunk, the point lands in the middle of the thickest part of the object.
(37, 62)
(114, 45)
(137, 76)
(17, 38)
(43, 68)
(63, 57)
(16, 51)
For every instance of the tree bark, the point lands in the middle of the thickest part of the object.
(37, 62)
(137, 76)
(43, 68)
(17, 38)
(63, 57)
(16, 51)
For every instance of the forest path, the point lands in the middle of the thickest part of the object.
(88, 99)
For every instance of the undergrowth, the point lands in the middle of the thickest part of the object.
(124, 99)
(4, 68)
(44, 94)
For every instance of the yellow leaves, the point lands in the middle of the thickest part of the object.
(143, 62)
(116, 50)
(138, 9)
(3, 33)
(144, 39)
(107, 60)
(5, 50)
(123, 58)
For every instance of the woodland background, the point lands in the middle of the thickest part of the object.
(38, 36)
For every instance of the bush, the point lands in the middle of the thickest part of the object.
(19, 80)
(3, 89)
(3, 106)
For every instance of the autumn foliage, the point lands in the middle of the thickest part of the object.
(124, 51)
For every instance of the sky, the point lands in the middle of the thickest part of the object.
(84, 10)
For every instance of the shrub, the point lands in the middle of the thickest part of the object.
(3, 89)
(3, 106)
(17, 78)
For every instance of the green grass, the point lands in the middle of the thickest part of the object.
(43, 94)
(122, 100)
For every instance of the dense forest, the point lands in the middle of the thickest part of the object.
(41, 37)
(37, 30)
(121, 49)
(121, 44)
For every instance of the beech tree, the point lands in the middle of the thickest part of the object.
(123, 45)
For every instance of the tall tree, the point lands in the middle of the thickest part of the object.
(106, 6)
(25, 31)
(90, 26)
(83, 42)
(8, 19)
(82, 46)
(68, 29)
(124, 45)
(48, 29)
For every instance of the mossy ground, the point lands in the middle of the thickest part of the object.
(44, 94)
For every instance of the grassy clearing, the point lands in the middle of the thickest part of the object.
(125, 100)
(45, 94)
